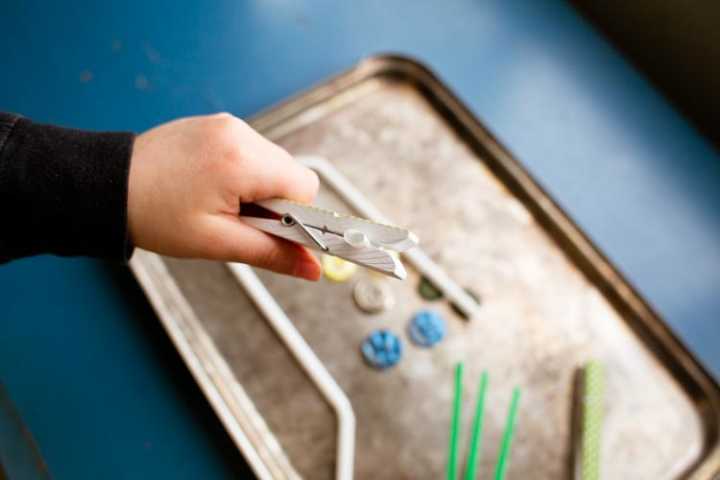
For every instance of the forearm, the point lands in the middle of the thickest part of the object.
(62, 191)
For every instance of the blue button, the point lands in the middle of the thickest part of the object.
(382, 349)
(427, 328)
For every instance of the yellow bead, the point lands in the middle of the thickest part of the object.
(337, 269)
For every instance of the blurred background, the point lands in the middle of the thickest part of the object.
(612, 106)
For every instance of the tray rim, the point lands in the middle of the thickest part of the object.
(679, 362)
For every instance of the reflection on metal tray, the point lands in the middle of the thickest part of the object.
(550, 302)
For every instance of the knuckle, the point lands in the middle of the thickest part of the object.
(222, 116)
(220, 124)
(314, 182)
(211, 242)
(267, 258)
(220, 247)
(221, 137)
(282, 154)
(305, 184)
(285, 186)
(223, 130)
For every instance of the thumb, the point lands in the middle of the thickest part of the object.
(242, 243)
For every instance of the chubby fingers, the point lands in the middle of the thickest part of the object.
(245, 167)
(261, 169)
(279, 175)
(235, 241)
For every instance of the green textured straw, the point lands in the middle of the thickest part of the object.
(455, 425)
(504, 457)
(593, 383)
(476, 439)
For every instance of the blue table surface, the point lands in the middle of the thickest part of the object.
(81, 352)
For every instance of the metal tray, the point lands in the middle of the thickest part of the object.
(550, 302)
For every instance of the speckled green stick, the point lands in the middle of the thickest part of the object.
(592, 418)
(455, 424)
(504, 457)
(476, 440)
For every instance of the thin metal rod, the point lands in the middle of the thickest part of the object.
(283, 326)
(416, 256)
(307, 231)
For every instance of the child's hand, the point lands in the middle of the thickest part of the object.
(187, 180)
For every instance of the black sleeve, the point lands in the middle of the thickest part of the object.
(63, 191)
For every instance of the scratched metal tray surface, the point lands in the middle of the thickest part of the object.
(549, 303)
